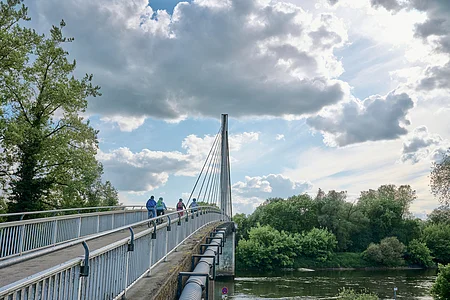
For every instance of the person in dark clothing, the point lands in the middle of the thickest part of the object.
(151, 207)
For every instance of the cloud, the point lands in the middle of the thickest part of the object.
(147, 170)
(242, 57)
(376, 118)
(127, 124)
(392, 5)
(279, 137)
(421, 144)
(272, 185)
(437, 77)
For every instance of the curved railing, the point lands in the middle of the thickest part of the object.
(21, 237)
(109, 272)
(55, 212)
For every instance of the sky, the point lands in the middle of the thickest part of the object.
(331, 94)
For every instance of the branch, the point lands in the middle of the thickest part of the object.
(53, 165)
(58, 128)
(21, 105)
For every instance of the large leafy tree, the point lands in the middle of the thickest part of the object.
(49, 150)
(440, 179)
(386, 208)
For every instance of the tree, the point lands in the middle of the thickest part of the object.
(343, 219)
(296, 214)
(386, 208)
(418, 254)
(441, 287)
(440, 179)
(437, 238)
(440, 215)
(15, 41)
(49, 150)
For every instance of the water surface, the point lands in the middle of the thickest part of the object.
(411, 284)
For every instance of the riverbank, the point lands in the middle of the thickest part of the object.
(339, 261)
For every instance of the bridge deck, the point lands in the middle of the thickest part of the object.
(32, 266)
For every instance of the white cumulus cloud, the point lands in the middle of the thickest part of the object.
(421, 144)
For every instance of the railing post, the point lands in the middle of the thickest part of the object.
(55, 231)
(22, 232)
(79, 226)
(98, 223)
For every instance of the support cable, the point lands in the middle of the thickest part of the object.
(212, 163)
(198, 178)
(207, 170)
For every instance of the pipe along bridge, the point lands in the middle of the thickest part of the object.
(117, 252)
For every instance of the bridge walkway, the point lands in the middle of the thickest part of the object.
(34, 265)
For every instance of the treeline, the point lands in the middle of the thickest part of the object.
(329, 231)
(47, 149)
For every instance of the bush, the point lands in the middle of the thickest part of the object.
(349, 294)
(437, 238)
(419, 254)
(318, 244)
(267, 248)
(441, 287)
(388, 253)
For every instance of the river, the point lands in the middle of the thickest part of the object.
(411, 284)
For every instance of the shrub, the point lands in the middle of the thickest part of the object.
(441, 287)
(349, 294)
(419, 254)
(388, 253)
(318, 243)
(267, 248)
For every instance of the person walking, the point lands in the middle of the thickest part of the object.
(180, 207)
(193, 205)
(151, 207)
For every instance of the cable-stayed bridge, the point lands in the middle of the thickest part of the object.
(117, 252)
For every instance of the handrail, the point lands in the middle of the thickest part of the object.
(68, 209)
(72, 266)
(68, 243)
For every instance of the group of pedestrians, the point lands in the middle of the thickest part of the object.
(157, 208)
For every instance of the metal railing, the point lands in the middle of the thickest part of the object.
(20, 237)
(109, 272)
(55, 212)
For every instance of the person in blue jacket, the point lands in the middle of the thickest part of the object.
(151, 207)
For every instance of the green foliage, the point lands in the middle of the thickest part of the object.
(440, 215)
(386, 208)
(267, 248)
(440, 179)
(48, 158)
(388, 253)
(342, 218)
(243, 226)
(437, 239)
(337, 260)
(349, 294)
(318, 244)
(296, 214)
(441, 287)
(419, 254)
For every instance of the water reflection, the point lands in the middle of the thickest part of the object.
(411, 284)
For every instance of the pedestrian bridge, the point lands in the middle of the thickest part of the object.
(105, 252)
